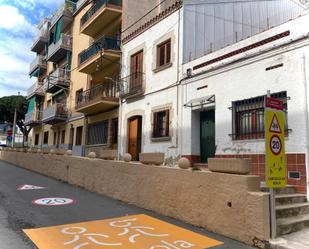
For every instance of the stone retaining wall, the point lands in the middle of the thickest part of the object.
(228, 204)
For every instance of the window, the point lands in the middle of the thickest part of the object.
(114, 131)
(63, 137)
(164, 53)
(136, 71)
(79, 135)
(55, 138)
(36, 139)
(97, 133)
(161, 124)
(45, 140)
(79, 96)
(248, 116)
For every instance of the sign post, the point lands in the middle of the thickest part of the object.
(275, 152)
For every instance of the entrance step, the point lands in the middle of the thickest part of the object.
(292, 224)
(294, 209)
(290, 198)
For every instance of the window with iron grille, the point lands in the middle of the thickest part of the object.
(45, 140)
(164, 53)
(36, 139)
(98, 133)
(79, 135)
(114, 130)
(63, 137)
(160, 127)
(248, 116)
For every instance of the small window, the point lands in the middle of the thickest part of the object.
(63, 137)
(79, 135)
(164, 53)
(161, 124)
(97, 133)
(36, 139)
(114, 130)
(45, 140)
(248, 117)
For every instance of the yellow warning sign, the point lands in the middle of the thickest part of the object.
(129, 232)
(275, 150)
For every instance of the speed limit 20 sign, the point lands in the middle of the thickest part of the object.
(275, 150)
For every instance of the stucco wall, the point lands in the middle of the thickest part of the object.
(224, 203)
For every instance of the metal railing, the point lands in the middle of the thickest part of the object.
(102, 43)
(64, 42)
(41, 35)
(106, 90)
(57, 110)
(34, 116)
(67, 8)
(39, 61)
(36, 88)
(95, 7)
(132, 84)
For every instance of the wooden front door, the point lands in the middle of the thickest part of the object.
(135, 137)
(208, 144)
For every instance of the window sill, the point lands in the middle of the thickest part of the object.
(158, 69)
(160, 139)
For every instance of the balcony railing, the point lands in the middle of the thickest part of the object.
(65, 42)
(39, 61)
(132, 85)
(42, 36)
(35, 89)
(100, 44)
(67, 8)
(34, 117)
(54, 113)
(105, 91)
(96, 6)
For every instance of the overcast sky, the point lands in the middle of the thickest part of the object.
(18, 26)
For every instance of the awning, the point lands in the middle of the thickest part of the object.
(200, 103)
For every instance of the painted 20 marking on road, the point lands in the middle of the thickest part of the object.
(53, 201)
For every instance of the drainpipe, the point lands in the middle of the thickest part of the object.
(306, 119)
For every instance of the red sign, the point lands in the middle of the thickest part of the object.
(9, 132)
(274, 103)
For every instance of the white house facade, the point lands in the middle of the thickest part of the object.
(194, 80)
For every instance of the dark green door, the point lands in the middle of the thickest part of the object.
(208, 144)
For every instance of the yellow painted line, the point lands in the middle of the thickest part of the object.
(129, 232)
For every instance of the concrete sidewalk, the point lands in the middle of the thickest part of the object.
(297, 240)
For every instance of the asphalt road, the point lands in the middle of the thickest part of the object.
(17, 211)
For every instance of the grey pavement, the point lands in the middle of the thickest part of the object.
(17, 211)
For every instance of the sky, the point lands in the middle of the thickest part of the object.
(18, 27)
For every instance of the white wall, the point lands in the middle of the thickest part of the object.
(160, 87)
(249, 79)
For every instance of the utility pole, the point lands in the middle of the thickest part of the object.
(14, 122)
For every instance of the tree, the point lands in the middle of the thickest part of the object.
(7, 109)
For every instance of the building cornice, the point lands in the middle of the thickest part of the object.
(153, 21)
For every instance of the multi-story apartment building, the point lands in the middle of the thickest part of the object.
(76, 105)
(195, 74)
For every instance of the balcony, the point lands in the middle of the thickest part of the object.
(91, 60)
(38, 63)
(65, 12)
(55, 114)
(100, 16)
(33, 118)
(42, 37)
(58, 79)
(36, 90)
(100, 98)
(58, 50)
(132, 85)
